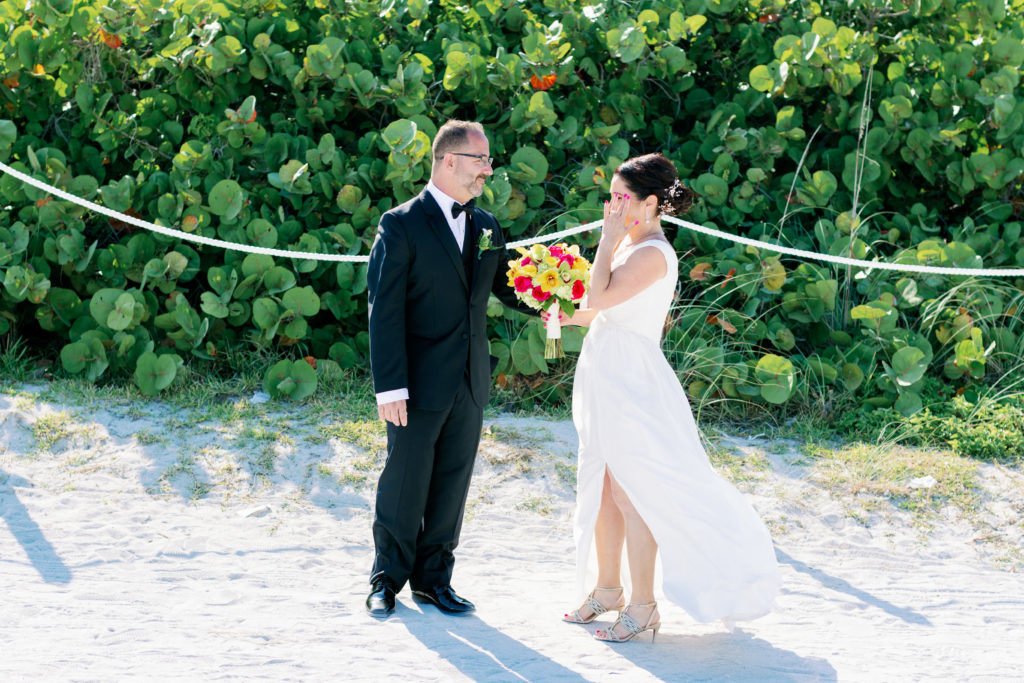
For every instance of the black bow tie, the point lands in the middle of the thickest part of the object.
(459, 208)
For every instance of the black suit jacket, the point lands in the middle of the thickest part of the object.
(428, 320)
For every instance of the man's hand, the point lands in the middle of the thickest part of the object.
(394, 412)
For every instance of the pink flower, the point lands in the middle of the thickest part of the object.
(567, 258)
(540, 295)
(556, 251)
(578, 290)
(524, 284)
(526, 261)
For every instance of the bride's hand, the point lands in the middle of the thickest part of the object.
(581, 317)
(562, 318)
(614, 227)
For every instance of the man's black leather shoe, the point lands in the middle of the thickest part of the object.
(381, 601)
(445, 599)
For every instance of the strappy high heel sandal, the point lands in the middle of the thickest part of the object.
(595, 606)
(632, 627)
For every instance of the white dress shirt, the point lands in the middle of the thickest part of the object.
(458, 228)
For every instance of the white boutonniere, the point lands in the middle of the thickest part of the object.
(484, 243)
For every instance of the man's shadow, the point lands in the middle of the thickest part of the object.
(28, 534)
(480, 651)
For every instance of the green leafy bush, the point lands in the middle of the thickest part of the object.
(844, 127)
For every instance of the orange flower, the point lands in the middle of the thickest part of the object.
(311, 360)
(39, 69)
(542, 83)
(11, 82)
(112, 40)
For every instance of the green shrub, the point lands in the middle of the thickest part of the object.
(842, 127)
(985, 429)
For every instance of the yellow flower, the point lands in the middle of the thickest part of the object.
(528, 271)
(548, 281)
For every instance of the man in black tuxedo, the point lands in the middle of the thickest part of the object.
(433, 265)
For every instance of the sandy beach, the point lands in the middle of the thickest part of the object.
(144, 541)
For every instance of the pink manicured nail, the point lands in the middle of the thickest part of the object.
(636, 222)
(627, 196)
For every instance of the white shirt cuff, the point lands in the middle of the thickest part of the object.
(393, 395)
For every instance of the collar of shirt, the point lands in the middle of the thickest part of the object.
(457, 225)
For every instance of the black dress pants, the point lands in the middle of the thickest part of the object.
(421, 494)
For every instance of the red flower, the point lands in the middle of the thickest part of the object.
(112, 40)
(540, 295)
(578, 290)
(524, 284)
(542, 83)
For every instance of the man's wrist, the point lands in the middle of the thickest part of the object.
(392, 396)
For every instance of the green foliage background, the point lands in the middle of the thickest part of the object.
(877, 129)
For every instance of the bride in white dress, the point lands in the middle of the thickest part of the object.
(644, 478)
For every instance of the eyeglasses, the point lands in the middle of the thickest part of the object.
(479, 157)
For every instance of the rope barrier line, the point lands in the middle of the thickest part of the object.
(555, 235)
(171, 232)
(842, 260)
(789, 251)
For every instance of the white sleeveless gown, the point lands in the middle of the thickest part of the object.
(717, 559)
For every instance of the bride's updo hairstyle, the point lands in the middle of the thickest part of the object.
(654, 174)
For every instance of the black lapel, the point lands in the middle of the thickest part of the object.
(439, 226)
(478, 227)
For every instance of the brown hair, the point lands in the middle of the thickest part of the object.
(453, 134)
(654, 174)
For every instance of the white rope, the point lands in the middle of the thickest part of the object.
(842, 260)
(170, 232)
(555, 235)
(799, 253)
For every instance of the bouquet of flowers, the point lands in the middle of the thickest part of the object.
(550, 278)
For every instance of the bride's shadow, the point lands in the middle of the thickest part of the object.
(480, 651)
(736, 656)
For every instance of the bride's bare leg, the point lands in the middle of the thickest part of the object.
(641, 551)
(609, 535)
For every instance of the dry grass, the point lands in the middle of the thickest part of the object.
(886, 471)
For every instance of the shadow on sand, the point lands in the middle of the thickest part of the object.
(480, 651)
(736, 656)
(28, 534)
(842, 586)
